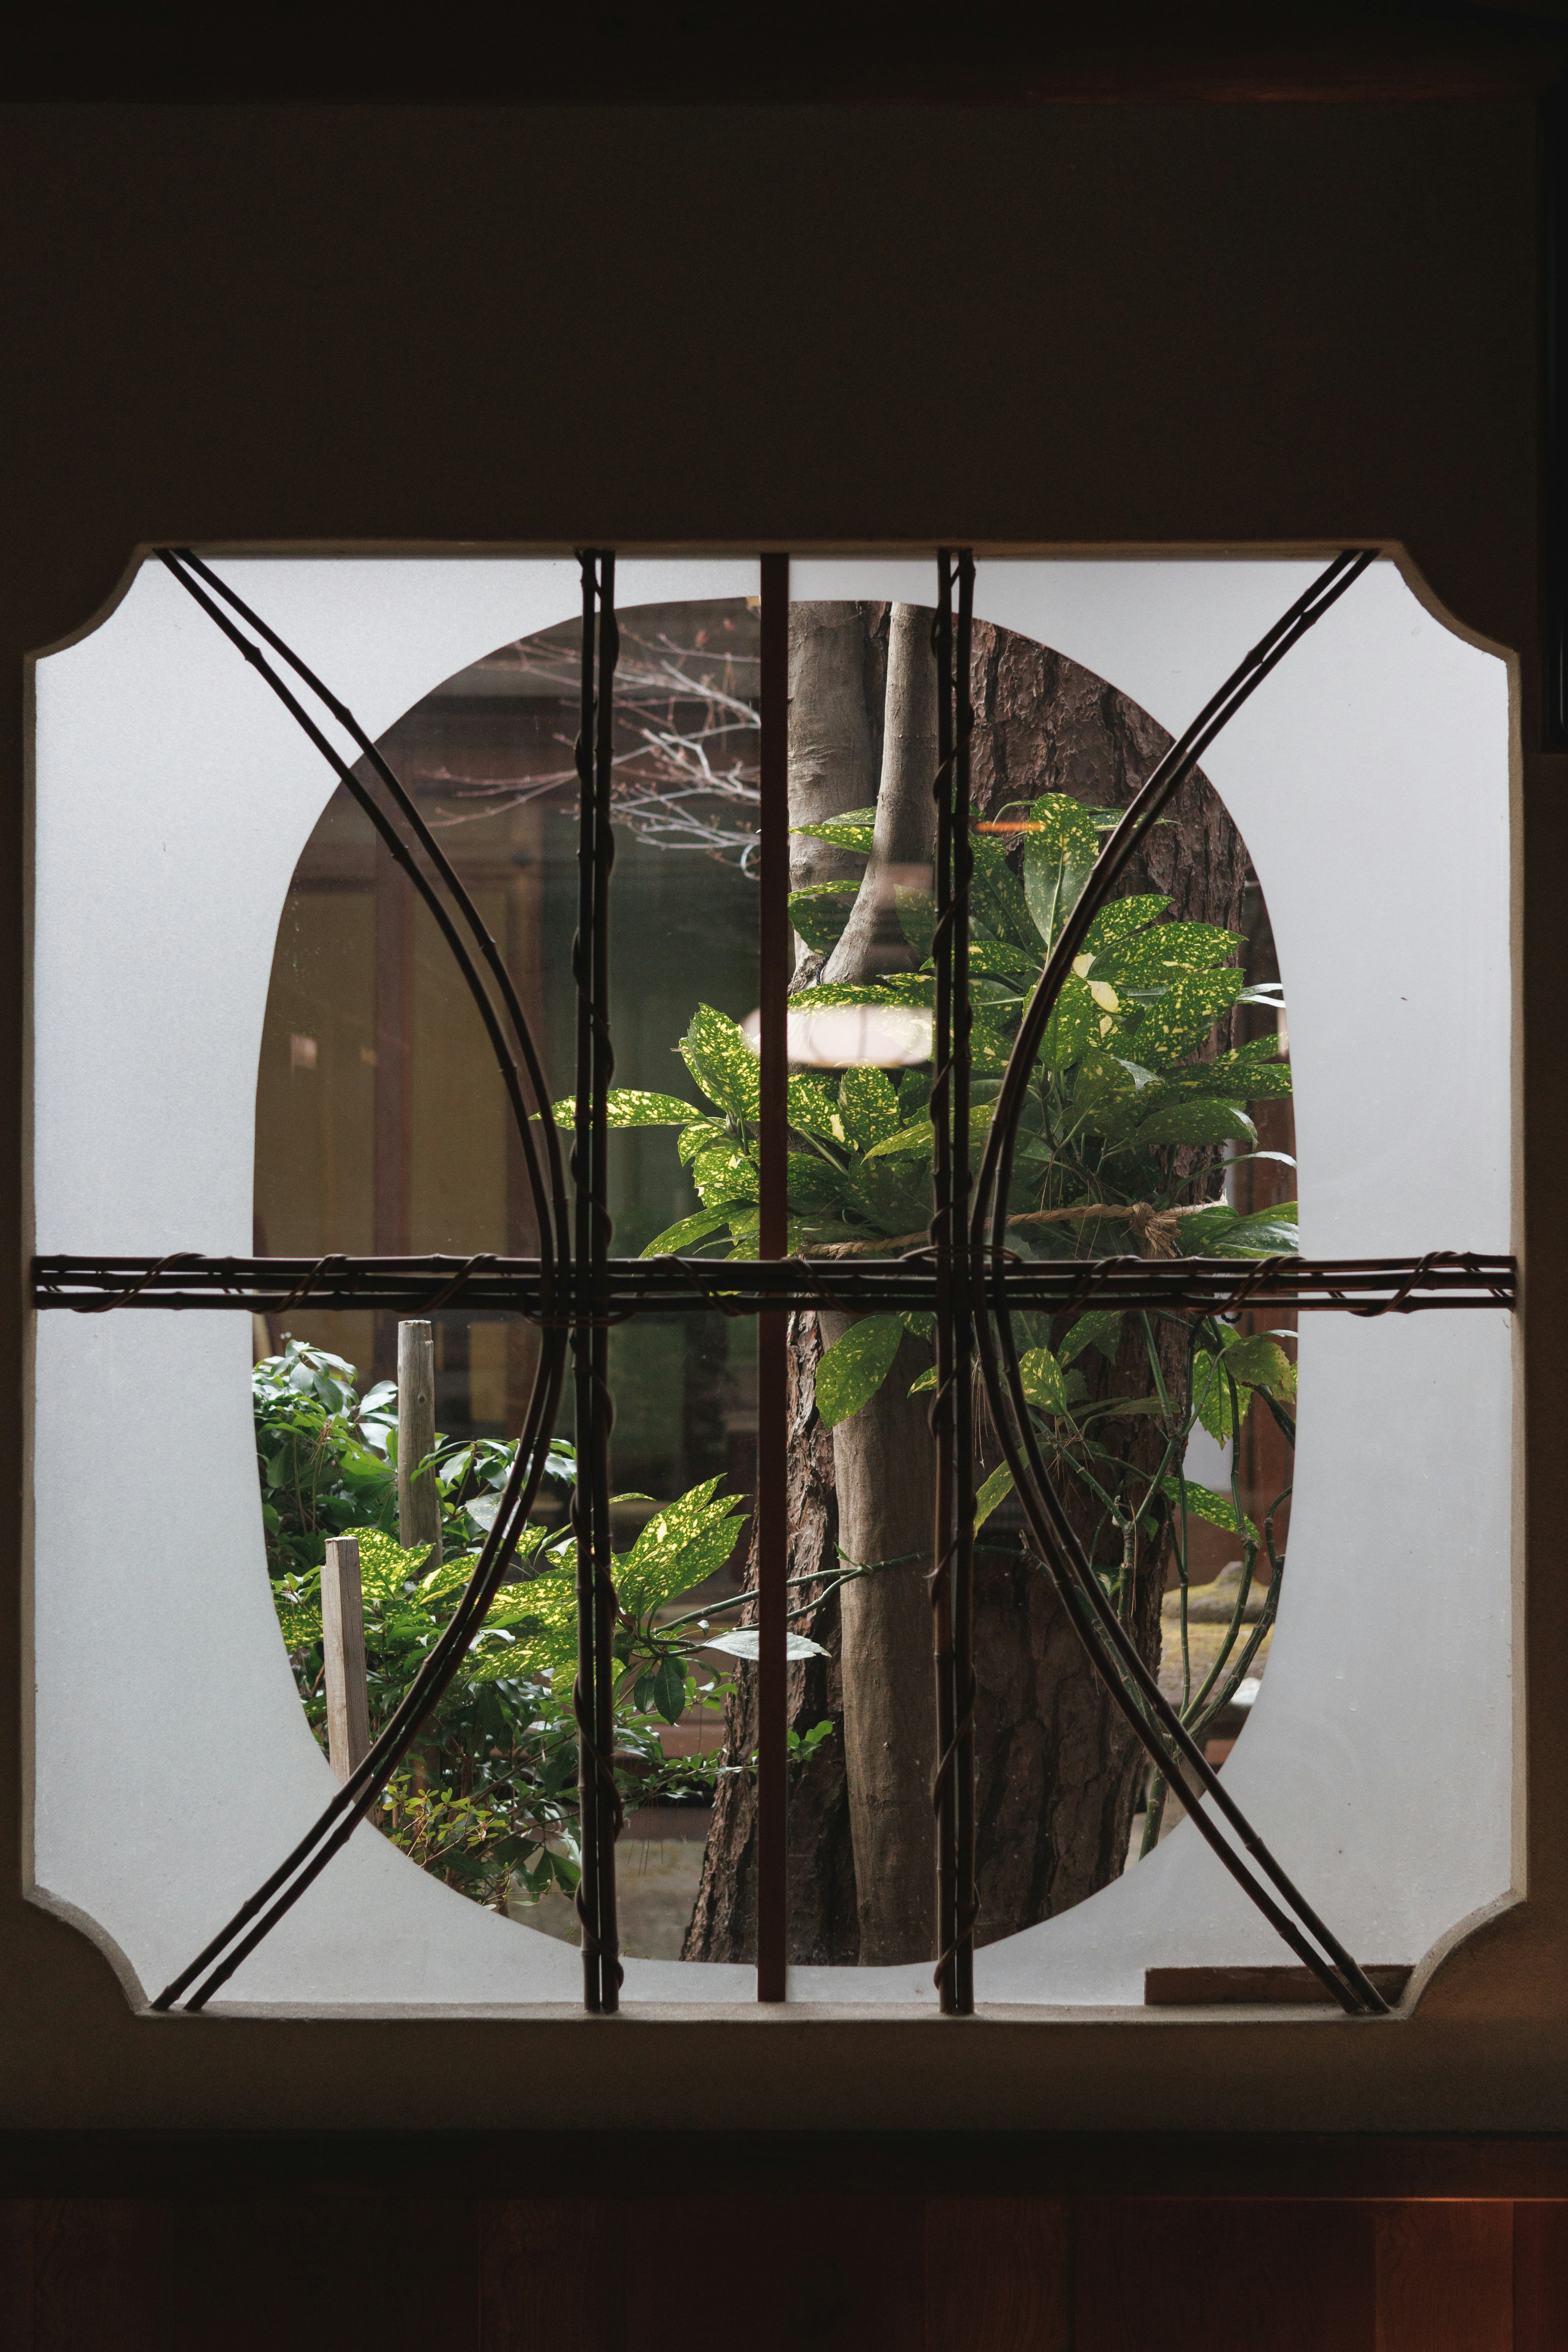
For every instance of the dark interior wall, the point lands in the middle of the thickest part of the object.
(1155, 324)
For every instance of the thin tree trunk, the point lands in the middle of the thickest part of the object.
(837, 658)
(884, 1456)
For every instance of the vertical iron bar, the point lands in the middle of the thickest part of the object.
(599, 1803)
(943, 1238)
(772, 1334)
(964, 1303)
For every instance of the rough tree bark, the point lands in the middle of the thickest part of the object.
(821, 1905)
(1057, 1775)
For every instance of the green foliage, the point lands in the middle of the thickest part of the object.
(490, 1794)
(1204, 1503)
(327, 1461)
(1058, 855)
(820, 913)
(1127, 1099)
(1042, 1379)
(856, 1365)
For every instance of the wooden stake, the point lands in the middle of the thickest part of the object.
(343, 1640)
(419, 1499)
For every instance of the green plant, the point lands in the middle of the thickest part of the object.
(328, 1460)
(489, 1793)
(1126, 1106)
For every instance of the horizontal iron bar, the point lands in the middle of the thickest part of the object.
(670, 1286)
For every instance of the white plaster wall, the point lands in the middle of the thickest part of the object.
(173, 1766)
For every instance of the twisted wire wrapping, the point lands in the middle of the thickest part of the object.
(600, 1811)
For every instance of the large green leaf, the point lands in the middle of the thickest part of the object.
(1218, 1232)
(722, 1064)
(725, 1173)
(1181, 1020)
(1042, 1385)
(1120, 920)
(813, 1108)
(989, 1047)
(630, 1106)
(669, 1689)
(918, 1141)
(1100, 1328)
(1251, 1073)
(1262, 1363)
(855, 1367)
(1211, 1397)
(854, 830)
(895, 1194)
(689, 1230)
(1058, 855)
(1073, 1028)
(819, 914)
(996, 957)
(1169, 949)
(867, 1106)
(1202, 1118)
(996, 1489)
(997, 900)
(699, 1137)
(1202, 1503)
(895, 988)
(686, 1541)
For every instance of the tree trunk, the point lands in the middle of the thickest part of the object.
(884, 1456)
(821, 1905)
(837, 660)
(1056, 1773)
(873, 940)
(836, 668)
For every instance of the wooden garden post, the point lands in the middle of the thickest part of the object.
(343, 1644)
(418, 1498)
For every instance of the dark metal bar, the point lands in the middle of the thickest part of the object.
(1115, 1656)
(943, 1236)
(952, 1583)
(965, 1899)
(773, 1337)
(599, 1802)
(189, 1283)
